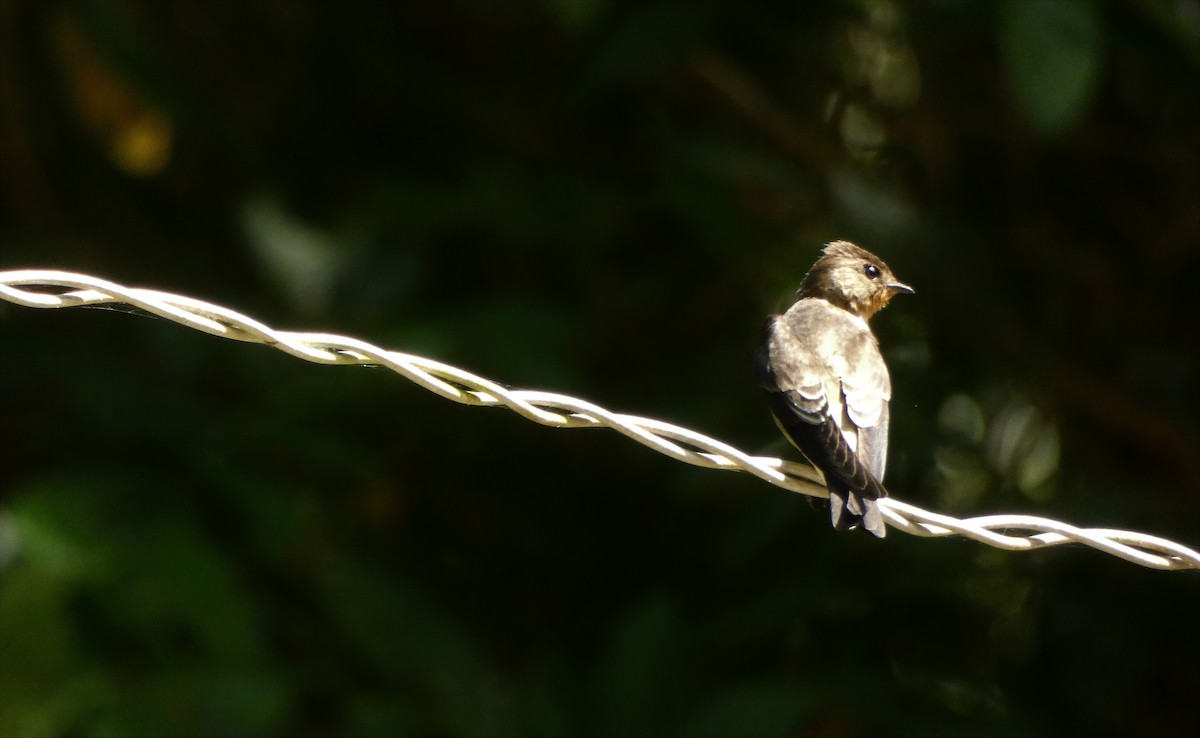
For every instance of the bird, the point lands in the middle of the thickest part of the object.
(826, 383)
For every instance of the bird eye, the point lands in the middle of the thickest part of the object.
(871, 271)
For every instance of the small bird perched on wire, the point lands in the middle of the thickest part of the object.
(826, 383)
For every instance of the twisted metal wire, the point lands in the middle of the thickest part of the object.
(57, 289)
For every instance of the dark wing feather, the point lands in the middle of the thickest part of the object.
(823, 444)
(800, 401)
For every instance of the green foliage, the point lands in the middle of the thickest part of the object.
(204, 537)
(1053, 53)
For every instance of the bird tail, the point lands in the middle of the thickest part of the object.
(849, 509)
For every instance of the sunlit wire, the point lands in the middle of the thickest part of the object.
(57, 289)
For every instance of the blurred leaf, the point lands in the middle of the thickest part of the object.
(46, 686)
(178, 585)
(651, 38)
(137, 137)
(59, 528)
(766, 709)
(577, 15)
(641, 679)
(548, 701)
(1052, 54)
(418, 646)
(304, 261)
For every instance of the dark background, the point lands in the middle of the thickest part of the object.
(200, 536)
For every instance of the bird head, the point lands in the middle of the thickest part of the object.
(853, 279)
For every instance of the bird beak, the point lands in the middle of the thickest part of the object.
(900, 287)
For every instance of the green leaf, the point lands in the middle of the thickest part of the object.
(1052, 54)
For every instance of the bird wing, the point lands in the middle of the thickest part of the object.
(828, 388)
(866, 390)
